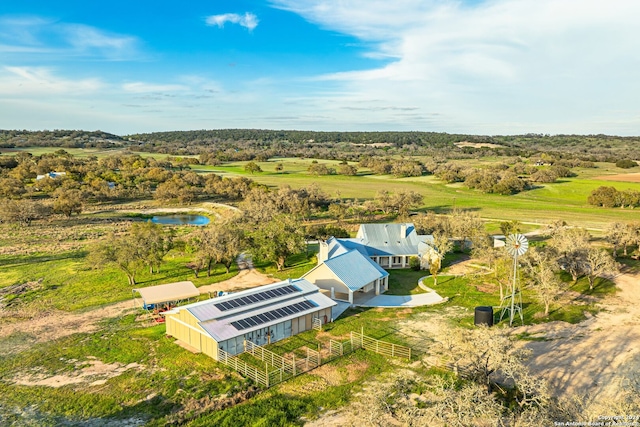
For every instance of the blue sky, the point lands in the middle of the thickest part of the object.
(483, 67)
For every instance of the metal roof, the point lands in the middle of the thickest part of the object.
(386, 239)
(168, 292)
(355, 270)
(208, 310)
(217, 322)
(222, 329)
(335, 247)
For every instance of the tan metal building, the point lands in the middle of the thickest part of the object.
(261, 315)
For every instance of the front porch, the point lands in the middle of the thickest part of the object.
(399, 261)
(367, 292)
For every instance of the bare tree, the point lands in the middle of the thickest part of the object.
(440, 247)
(599, 263)
(467, 227)
(23, 211)
(540, 266)
(571, 245)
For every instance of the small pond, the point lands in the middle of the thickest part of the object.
(180, 219)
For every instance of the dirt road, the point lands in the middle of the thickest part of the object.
(596, 356)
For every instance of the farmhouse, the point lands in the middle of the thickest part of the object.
(262, 315)
(347, 271)
(52, 175)
(389, 245)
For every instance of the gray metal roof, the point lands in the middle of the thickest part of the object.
(221, 329)
(218, 323)
(355, 270)
(208, 310)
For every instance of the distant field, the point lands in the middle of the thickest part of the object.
(564, 200)
(623, 177)
(82, 152)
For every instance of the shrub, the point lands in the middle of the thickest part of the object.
(414, 263)
(626, 163)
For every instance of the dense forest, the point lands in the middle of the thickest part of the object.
(250, 144)
(59, 138)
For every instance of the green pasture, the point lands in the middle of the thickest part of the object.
(70, 283)
(564, 200)
(180, 382)
(296, 265)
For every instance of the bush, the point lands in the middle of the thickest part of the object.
(626, 163)
(414, 263)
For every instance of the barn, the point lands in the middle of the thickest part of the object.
(263, 315)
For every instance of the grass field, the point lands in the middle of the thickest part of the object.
(565, 199)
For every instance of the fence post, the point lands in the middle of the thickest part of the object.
(294, 365)
(266, 370)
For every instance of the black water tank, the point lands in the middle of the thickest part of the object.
(484, 316)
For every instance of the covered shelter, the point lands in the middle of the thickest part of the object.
(347, 272)
(167, 293)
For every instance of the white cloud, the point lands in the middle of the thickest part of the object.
(496, 66)
(27, 36)
(143, 87)
(83, 38)
(248, 20)
(41, 81)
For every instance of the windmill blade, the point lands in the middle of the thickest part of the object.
(516, 244)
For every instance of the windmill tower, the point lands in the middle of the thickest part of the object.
(516, 245)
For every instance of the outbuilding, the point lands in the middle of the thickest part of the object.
(262, 315)
(167, 293)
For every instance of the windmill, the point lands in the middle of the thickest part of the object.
(516, 245)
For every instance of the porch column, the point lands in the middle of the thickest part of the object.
(404, 261)
(350, 296)
(377, 286)
(333, 293)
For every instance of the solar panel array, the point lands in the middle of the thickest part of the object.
(272, 315)
(254, 298)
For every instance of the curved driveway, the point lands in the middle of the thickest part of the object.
(416, 300)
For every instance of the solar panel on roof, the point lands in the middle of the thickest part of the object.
(268, 316)
(254, 298)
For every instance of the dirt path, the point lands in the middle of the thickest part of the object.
(596, 356)
(246, 279)
(58, 324)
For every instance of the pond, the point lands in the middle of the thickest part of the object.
(180, 219)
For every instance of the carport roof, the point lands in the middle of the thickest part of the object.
(168, 292)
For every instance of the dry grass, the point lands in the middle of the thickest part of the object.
(623, 177)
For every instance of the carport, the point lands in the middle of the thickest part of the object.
(167, 293)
